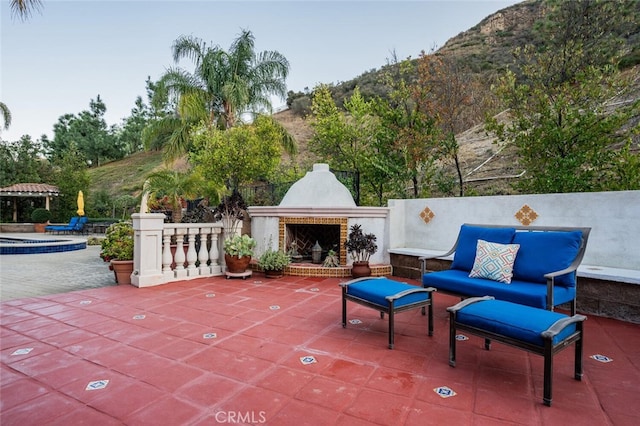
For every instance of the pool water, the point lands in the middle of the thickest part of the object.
(18, 245)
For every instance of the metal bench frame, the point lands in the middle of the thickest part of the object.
(389, 309)
(548, 350)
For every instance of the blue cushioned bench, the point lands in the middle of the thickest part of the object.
(535, 330)
(387, 296)
(543, 271)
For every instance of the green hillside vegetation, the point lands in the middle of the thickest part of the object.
(485, 50)
(126, 176)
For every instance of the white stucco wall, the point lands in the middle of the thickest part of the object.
(614, 218)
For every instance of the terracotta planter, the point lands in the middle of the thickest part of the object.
(235, 264)
(273, 273)
(122, 270)
(39, 227)
(360, 269)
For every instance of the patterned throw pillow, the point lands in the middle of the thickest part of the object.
(494, 261)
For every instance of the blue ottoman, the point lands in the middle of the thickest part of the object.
(535, 330)
(387, 296)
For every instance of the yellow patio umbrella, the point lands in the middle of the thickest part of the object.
(80, 204)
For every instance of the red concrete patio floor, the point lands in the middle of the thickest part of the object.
(214, 351)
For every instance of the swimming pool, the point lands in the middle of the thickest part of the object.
(22, 245)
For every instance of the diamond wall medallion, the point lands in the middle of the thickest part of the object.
(427, 214)
(526, 215)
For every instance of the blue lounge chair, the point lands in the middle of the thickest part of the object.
(63, 228)
(75, 225)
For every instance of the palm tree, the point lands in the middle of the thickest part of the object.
(223, 85)
(177, 186)
(6, 115)
(23, 8)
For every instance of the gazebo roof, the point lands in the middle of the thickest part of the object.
(30, 190)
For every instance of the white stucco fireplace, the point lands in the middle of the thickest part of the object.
(318, 208)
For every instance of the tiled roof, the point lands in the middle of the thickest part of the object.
(26, 189)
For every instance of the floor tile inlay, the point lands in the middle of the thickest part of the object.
(22, 351)
(308, 359)
(601, 358)
(97, 385)
(444, 391)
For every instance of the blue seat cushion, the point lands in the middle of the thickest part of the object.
(376, 290)
(522, 323)
(521, 292)
(468, 238)
(544, 252)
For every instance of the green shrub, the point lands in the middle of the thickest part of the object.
(40, 215)
(118, 242)
(273, 260)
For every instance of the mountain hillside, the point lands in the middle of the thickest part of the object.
(486, 49)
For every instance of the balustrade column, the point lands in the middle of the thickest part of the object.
(179, 256)
(192, 256)
(167, 257)
(203, 253)
(214, 252)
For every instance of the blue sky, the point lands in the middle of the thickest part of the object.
(58, 60)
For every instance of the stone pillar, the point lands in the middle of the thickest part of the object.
(147, 250)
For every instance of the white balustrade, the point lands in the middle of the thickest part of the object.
(183, 250)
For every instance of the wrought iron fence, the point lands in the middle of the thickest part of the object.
(270, 194)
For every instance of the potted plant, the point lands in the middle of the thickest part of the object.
(117, 248)
(360, 247)
(40, 218)
(231, 211)
(332, 260)
(238, 250)
(273, 262)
